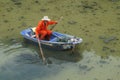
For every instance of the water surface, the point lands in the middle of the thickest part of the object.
(96, 21)
(19, 63)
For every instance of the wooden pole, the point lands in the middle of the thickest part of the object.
(41, 52)
(55, 24)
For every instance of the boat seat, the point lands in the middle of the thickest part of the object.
(33, 29)
(32, 33)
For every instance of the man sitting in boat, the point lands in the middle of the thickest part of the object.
(42, 31)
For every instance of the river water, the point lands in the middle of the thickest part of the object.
(97, 22)
(20, 63)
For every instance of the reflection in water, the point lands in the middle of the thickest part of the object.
(20, 63)
(50, 52)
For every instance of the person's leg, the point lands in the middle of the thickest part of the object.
(43, 33)
(49, 33)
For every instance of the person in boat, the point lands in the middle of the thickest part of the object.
(42, 32)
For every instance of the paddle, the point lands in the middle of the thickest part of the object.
(56, 24)
(41, 51)
(57, 36)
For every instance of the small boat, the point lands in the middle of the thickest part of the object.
(58, 41)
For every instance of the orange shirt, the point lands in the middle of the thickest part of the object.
(42, 26)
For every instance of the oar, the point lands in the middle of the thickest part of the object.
(57, 36)
(41, 51)
(56, 24)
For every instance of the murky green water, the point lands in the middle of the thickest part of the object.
(96, 21)
(20, 63)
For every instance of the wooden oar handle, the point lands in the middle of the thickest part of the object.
(41, 51)
(56, 24)
(60, 18)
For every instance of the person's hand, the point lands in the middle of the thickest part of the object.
(37, 36)
(56, 22)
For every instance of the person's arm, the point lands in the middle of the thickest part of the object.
(52, 22)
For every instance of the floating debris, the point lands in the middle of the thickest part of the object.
(72, 22)
(28, 58)
(105, 48)
(114, 0)
(49, 61)
(103, 62)
(118, 7)
(118, 18)
(24, 24)
(109, 79)
(43, 10)
(118, 13)
(13, 40)
(109, 39)
(112, 50)
(9, 9)
(12, 29)
(17, 2)
(36, 1)
(83, 66)
(95, 79)
(6, 21)
(102, 37)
